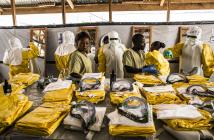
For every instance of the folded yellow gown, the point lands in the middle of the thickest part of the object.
(60, 95)
(147, 79)
(25, 78)
(119, 97)
(183, 117)
(44, 119)
(94, 95)
(122, 126)
(161, 95)
(15, 88)
(12, 107)
(197, 79)
(197, 124)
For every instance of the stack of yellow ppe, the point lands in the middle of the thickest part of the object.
(60, 91)
(160, 95)
(15, 88)
(44, 119)
(93, 95)
(184, 117)
(147, 79)
(197, 79)
(12, 107)
(120, 125)
(25, 79)
(119, 97)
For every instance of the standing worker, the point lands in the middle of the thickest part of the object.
(110, 56)
(63, 52)
(18, 58)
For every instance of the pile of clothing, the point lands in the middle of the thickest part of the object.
(134, 123)
(148, 79)
(92, 88)
(15, 88)
(12, 107)
(26, 79)
(117, 96)
(161, 95)
(84, 116)
(183, 117)
(60, 91)
(43, 120)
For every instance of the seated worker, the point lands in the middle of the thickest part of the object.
(18, 58)
(154, 57)
(79, 61)
(63, 52)
(133, 58)
(110, 56)
(194, 53)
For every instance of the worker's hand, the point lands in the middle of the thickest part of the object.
(168, 54)
(151, 69)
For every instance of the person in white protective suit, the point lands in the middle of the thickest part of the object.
(194, 53)
(91, 55)
(63, 52)
(18, 58)
(110, 56)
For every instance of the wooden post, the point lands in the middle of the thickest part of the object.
(63, 12)
(13, 8)
(168, 11)
(110, 11)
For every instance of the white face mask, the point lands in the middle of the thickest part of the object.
(192, 41)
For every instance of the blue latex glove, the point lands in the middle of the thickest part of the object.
(151, 69)
(168, 54)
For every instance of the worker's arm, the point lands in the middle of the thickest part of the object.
(75, 64)
(176, 50)
(33, 51)
(101, 60)
(6, 58)
(207, 60)
(132, 69)
(157, 59)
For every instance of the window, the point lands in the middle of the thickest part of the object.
(192, 15)
(6, 20)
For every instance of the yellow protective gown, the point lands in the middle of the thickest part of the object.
(119, 97)
(122, 126)
(26, 56)
(80, 63)
(161, 95)
(62, 95)
(44, 119)
(25, 79)
(63, 52)
(207, 57)
(157, 59)
(147, 79)
(12, 107)
(133, 59)
(101, 60)
(197, 124)
(94, 95)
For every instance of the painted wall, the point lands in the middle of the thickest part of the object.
(166, 33)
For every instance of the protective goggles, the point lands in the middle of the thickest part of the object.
(207, 105)
(189, 36)
(135, 109)
(85, 111)
(199, 90)
(121, 86)
(176, 77)
(89, 84)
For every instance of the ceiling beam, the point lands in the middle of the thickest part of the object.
(110, 11)
(13, 11)
(168, 11)
(105, 7)
(63, 12)
(162, 2)
(70, 3)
